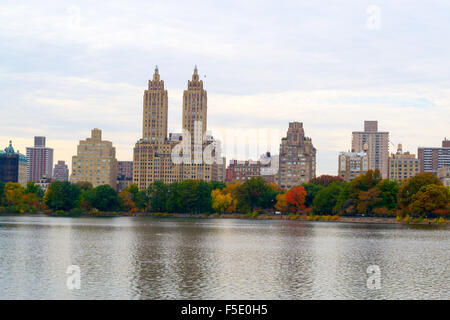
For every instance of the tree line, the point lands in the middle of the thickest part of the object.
(367, 194)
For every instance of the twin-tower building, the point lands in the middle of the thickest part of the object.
(153, 157)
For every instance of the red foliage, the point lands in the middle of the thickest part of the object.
(296, 197)
(325, 180)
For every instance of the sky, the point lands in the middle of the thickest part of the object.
(68, 67)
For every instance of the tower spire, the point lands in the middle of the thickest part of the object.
(195, 75)
(156, 74)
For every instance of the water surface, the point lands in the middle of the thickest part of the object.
(149, 258)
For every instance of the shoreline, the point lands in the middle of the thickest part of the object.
(241, 216)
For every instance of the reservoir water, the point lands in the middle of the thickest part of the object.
(175, 258)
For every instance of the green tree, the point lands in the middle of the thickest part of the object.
(34, 188)
(214, 185)
(345, 204)
(389, 190)
(311, 192)
(326, 199)
(103, 198)
(203, 197)
(174, 198)
(255, 193)
(158, 196)
(84, 185)
(62, 195)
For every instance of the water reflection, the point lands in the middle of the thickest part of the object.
(145, 258)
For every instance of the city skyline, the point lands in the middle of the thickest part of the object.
(307, 68)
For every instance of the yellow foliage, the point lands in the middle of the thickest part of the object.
(282, 204)
(221, 202)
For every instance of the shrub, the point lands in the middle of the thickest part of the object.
(76, 212)
(407, 219)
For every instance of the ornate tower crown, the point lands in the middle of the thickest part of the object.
(195, 84)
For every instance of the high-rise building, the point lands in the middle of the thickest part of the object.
(13, 166)
(152, 153)
(403, 165)
(297, 159)
(195, 112)
(124, 174)
(431, 159)
(444, 175)
(95, 161)
(352, 164)
(152, 159)
(61, 171)
(377, 146)
(195, 104)
(40, 160)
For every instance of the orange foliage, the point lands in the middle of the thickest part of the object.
(296, 197)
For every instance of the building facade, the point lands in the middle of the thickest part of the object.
(221, 169)
(13, 166)
(95, 161)
(44, 183)
(352, 164)
(297, 158)
(40, 160)
(124, 174)
(444, 175)
(241, 171)
(432, 159)
(403, 165)
(152, 154)
(61, 171)
(377, 144)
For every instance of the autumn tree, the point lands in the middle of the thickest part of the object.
(430, 198)
(325, 180)
(411, 186)
(126, 202)
(296, 197)
(364, 182)
(220, 201)
(367, 200)
(282, 205)
(232, 190)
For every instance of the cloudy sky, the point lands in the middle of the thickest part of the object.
(67, 67)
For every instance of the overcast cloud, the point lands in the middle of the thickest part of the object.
(67, 67)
